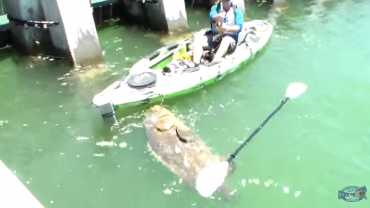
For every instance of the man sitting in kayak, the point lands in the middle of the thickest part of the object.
(226, 24)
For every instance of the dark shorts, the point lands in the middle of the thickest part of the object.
(213, 41)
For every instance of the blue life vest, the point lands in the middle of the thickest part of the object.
(229, 21)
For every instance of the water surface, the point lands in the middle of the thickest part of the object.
(58, 146)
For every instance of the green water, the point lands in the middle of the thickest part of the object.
(53, 139)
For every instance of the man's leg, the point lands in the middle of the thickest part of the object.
(200, 41)
(227, 44)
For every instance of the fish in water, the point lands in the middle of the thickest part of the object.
(177, 147)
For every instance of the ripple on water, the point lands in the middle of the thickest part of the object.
(176, 186)
(82, 138)
(3, 122)
(269, 184)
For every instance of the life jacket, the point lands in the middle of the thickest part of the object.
(231, 18)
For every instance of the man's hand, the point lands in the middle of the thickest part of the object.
(222, 28)
(218, 19)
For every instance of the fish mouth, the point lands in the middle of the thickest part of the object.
(162, 120)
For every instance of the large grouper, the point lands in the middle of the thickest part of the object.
(178, 148)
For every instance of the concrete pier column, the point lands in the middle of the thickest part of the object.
(27, 39)
(241, 5)
(76, 35)
(167, 15)
(73, 35)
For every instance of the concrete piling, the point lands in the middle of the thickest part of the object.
(27, 39)
(167, 15)
(65, 28)
(76, 36)
(240, 5)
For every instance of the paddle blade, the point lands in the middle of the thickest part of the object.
(211, 178)
(295, 89)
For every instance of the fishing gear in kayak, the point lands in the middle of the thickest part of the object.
(212, 177)
(169, 71)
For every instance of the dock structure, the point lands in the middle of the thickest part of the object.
(4, 22)
(61, 28)
(67, 28)
(13, 194)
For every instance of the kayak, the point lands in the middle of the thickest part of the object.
(166, 73)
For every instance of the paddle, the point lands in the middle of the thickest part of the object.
(213, 176)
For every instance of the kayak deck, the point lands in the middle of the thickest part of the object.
(164, 72)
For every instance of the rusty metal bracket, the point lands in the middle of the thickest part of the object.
(32, 23)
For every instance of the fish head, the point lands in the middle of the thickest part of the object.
(160, 118)
(360, 194)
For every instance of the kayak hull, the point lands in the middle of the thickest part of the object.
(151, 79)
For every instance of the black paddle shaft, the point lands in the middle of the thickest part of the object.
(282, 103)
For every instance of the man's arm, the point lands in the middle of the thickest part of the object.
(213, 12)
(239, 21)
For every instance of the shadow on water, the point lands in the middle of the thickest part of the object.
(6, 53)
